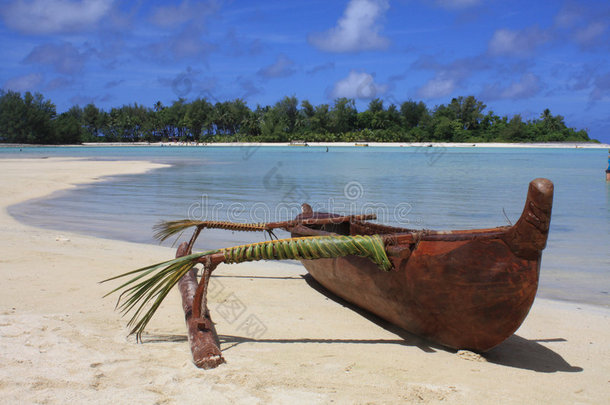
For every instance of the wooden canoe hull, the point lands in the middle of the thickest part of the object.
(466, 290)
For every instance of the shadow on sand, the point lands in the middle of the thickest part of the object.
(530, 355)
(515, 352)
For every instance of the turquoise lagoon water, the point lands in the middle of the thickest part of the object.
(434, 188)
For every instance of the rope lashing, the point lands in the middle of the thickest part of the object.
(166, 229)
(320, 247)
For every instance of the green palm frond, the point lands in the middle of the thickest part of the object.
(166, 229)
(143, 290)
(312, 247)
(149, 285)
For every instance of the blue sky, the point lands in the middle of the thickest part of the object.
(515, 56)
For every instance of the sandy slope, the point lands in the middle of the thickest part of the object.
(60, 341)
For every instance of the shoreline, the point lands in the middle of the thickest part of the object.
(588, 303)
(109, 237)
(61, 340)
(406, 145)
(550, 145)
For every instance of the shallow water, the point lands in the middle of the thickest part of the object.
(435, 188)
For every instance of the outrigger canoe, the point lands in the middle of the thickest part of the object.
(468, 289)
(464, 289)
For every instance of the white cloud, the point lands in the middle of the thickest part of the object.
(503, 41)
(171, 16)
(357, 30)
(113, 83)
(448, 76)
(585, 24)
(527, 86)
(189, 44)
(457, 4)
(248, 87)
(185, 44)
(282, 67)
(54, 16)
(590, 33)
(601, 87)
(569, 15)
(320, 68)
(83, 100)
(358, 85)
(64, 58)
(24, 83)
(58, 83)
(516, 43)
(437, 87)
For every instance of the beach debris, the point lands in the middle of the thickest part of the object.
(470, 356)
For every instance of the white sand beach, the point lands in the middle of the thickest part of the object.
(529, 145)
(61, 342)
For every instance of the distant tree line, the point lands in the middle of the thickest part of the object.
(32, 119)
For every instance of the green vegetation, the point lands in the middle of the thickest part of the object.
(31, 119)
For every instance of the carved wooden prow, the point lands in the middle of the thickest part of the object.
(306, 211)
(527, 238)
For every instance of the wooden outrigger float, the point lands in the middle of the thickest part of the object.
(467, 289)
